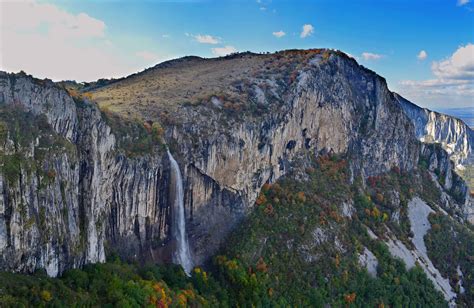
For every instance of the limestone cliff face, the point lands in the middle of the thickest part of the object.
(453, 134)
(457, 141)
(66, 210)
(87, 199)
(334, 105)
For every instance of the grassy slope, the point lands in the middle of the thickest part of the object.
(156, 93)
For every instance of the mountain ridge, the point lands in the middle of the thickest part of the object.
(455, 130)
(105, 188)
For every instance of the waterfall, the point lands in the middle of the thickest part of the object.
(181, 255)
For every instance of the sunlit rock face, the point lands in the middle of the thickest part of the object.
(100, 201)
(453, 134)
(454, 137)
(94, 199)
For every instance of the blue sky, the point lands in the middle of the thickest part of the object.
(86, 40)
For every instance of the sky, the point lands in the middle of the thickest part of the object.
(424, 48)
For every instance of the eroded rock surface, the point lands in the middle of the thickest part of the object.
(87, 199)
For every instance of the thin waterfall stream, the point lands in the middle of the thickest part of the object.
(182, 255)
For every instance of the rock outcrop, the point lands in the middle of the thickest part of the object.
(455, 152)
(453, 134)
(88, 199)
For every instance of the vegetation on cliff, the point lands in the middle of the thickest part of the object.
(303, 242)
(450, 247)
(300, 246)
(19, 130)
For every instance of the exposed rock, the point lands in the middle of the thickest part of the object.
(333, 106)
(433, 127)
(347, 210)
(460, 282)
(319, 236)
(368, 260)
(99, 200)
(454, 190)
(418, 212)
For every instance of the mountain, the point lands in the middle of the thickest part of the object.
(86, 174)
(453, 134)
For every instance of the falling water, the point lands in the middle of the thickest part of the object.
(182, 255)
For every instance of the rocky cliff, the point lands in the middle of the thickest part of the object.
(457, 140)
(71, 193)
(432, 127)
(58, 208)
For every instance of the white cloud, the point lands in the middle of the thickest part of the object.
(463, 2)
(453, 84)
(223, 51)
(438, 93)
(165, 36)
(28, 16)
(459, 66)
(279, 33)
(48, 42)
(422, 55)
(371, 56)
(306, 31)
(206, 39)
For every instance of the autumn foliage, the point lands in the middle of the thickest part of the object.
(261, 199)
(261, 265)
(350, 298)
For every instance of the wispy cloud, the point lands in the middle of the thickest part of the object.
(307, 30)
(279, 34)
(463, 2)
(422, 55)
(371, 56)
(223, 51)
(206, 39)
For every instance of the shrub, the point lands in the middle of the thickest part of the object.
(46, 296)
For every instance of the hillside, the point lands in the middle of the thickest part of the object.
(230, 80)
(454, 136)
(299, 177)
(305, 243)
